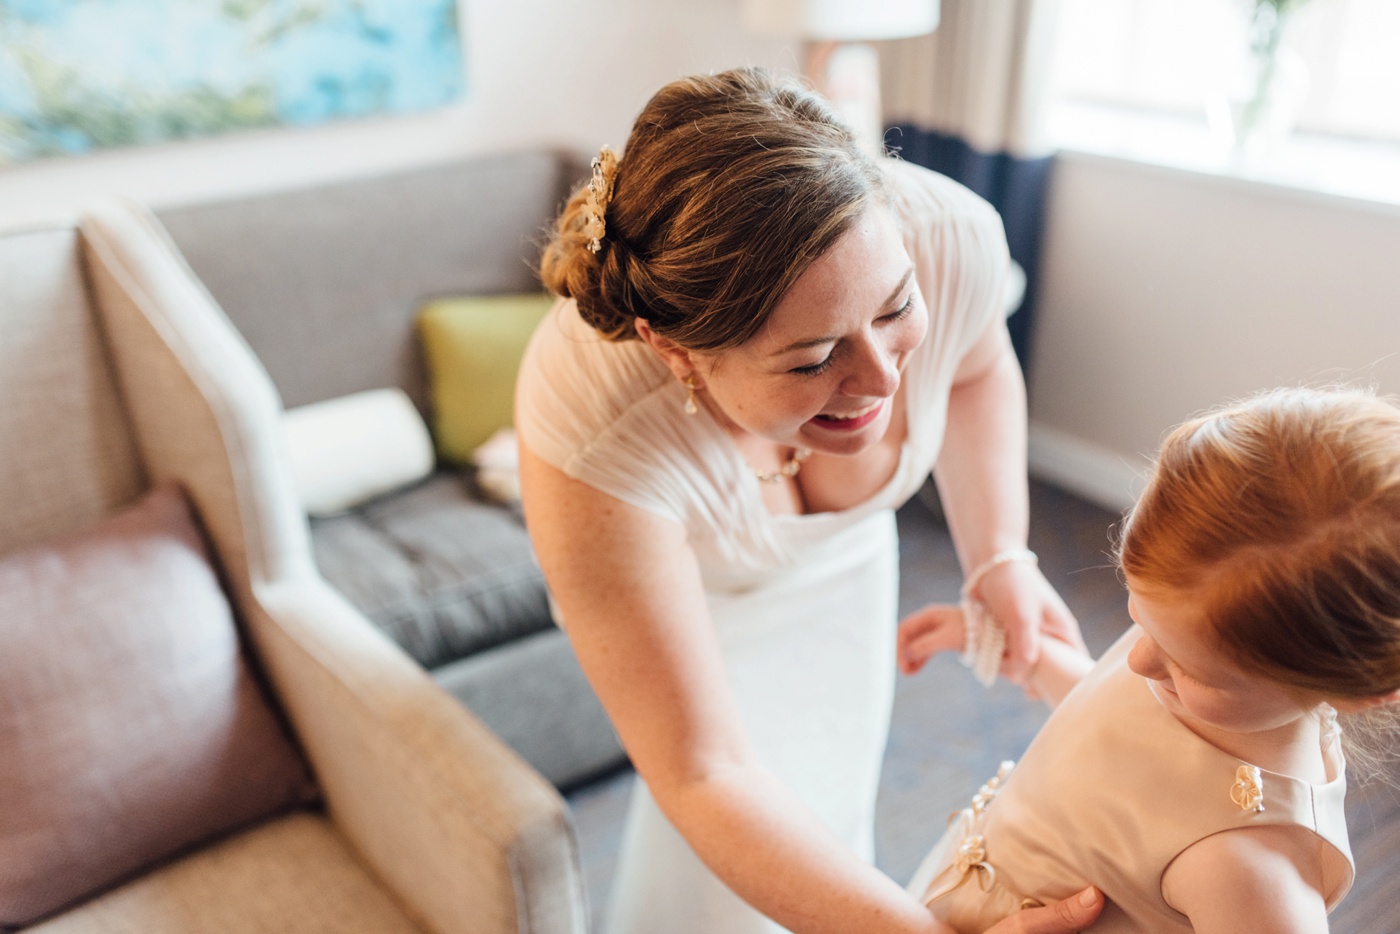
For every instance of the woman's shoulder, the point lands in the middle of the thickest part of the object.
(589, 377)
(958, 246)
(587, 405)
(926, 197)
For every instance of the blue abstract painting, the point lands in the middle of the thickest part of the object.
(79, 75)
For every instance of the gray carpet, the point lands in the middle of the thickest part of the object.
(948, 733)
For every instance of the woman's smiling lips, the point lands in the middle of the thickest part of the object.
(850, 422)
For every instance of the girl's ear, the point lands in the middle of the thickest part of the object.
(676, 358)
(1358, 704)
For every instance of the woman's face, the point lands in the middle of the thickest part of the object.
(823, 372)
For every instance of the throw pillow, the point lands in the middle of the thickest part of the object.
(130, 724)
(473, 348)
(347, 451)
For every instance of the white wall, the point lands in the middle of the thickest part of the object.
(554, 72)
(1164, 292)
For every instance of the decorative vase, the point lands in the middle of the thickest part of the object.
(1274, 87)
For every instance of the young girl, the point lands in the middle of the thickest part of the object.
(1195, 773)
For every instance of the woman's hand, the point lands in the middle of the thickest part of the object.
(1063, 917)
(1024, 604)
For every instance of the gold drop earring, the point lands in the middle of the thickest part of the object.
(691, 406)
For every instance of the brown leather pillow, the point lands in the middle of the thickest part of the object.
(130, 725)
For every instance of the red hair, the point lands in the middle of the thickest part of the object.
(1283, 513)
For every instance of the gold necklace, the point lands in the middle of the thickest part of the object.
(789, 469)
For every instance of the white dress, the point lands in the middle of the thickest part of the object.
(803, 607)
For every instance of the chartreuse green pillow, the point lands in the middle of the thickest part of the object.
(473, 346)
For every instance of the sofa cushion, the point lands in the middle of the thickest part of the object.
(473, 346)
(533, 694)
(294, 874)
(131, 725)
(442, 572)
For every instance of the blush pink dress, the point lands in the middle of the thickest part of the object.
(803, 607)
(1110, 792)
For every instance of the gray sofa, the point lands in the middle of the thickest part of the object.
(324, 284)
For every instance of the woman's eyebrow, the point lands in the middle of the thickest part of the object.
(818, 341)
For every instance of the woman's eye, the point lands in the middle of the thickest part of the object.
(814, 368)
(903, 310)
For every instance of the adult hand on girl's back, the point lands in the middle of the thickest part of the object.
(1063, 917)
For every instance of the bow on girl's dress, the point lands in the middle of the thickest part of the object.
(1248, 790)
(970, 858)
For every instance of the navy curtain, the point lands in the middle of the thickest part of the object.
(1014, 186)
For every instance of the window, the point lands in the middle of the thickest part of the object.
(1166, 80)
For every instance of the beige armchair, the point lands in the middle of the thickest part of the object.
(117, 373)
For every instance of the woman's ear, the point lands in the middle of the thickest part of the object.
(1358, 704)
(676, 358)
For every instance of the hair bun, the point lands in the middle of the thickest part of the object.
(729, 187)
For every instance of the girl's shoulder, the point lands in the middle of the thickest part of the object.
(1272, 877)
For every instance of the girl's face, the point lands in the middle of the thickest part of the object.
(1192, 677)
(823, 372)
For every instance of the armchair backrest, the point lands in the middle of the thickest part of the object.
(67, 453)
(117, 373)
(324, 282)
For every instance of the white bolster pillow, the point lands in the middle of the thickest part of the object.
(349, 450)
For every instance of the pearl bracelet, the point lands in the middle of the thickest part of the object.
(985, 639)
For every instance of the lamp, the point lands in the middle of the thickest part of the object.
(840, 62)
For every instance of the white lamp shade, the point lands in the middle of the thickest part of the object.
(842, 20)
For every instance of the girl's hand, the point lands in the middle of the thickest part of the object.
(938, 627)
(1064, 917)
(1024, 604)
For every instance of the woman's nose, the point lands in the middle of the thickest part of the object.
(1145, 659)
(875, 374)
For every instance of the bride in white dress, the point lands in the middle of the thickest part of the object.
(765, 341)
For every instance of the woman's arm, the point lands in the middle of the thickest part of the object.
(1256, 879)
(630, 595)
(982, 481)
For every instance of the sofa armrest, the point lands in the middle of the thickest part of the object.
(467, 834)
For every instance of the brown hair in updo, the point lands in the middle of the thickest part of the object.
(729, 187)
(1282, 513)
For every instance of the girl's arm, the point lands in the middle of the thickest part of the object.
(1059, 668)
(1268, 880)
(982, 482)
(629, 591)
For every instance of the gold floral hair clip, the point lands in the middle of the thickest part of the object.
(600, 190)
